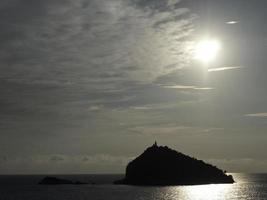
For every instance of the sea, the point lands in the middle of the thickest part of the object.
(25, 187)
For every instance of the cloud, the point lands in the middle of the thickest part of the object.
(157, 5)
(3, 159)
(159, 130)
(186, 87)
(97, 41)
(248, 165)
(232, 22)
(64, 164)
(141, 108)
(106, 159)
(95, 108)
(224, 68)
(57, 158)
(173, 129)
(257, 115)
(76, 69)
(78, 51)
(210, 130)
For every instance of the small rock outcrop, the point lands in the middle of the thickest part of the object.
(58, 181)
(160, 165)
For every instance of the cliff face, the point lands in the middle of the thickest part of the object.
(163, 166)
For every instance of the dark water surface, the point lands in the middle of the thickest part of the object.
(248, 186)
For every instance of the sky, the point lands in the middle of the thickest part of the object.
(87, 85)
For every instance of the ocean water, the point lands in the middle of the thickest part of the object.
(248, 186)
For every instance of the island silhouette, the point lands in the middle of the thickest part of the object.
(160, 165)
(50, 180)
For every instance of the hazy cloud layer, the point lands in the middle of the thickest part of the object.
(249, 165)
(86, 83)
(64, 164)
(257, 115)
(69, 55)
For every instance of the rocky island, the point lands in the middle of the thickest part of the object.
(160, 165)
(58, 181)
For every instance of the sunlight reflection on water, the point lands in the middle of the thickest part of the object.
(211, 192)
(200, 192)
(247, 187)
(205, 192)
(239, 190)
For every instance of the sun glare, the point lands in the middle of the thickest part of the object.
(207, 50)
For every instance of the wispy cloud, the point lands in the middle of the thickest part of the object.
(232, 22)
(95, 108)
(186, 87)
(141, 108)
(64, 163)
(224, 68)
(209, 130)
(174, 129)
(159, 130)
(257, 115)
(249, 165)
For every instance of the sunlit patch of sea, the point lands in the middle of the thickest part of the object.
(247, 187)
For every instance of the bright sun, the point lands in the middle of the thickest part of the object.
(207, 50)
